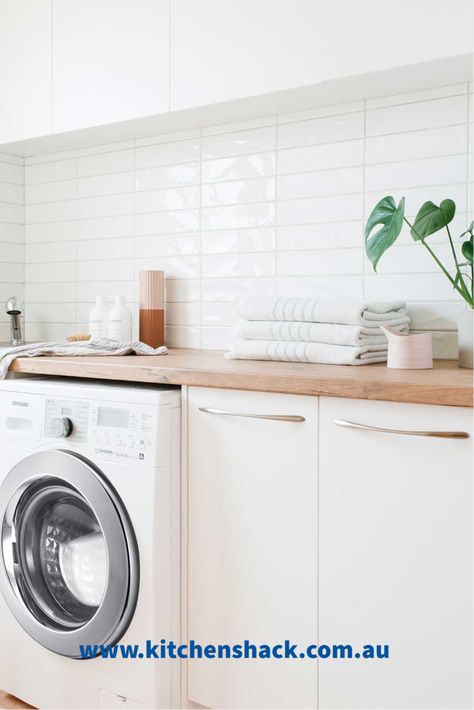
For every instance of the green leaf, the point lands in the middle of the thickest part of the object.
(469, 230)
(467, 250)
(390, 217)
(431, 218)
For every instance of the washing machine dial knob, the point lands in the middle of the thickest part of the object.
(61, 427)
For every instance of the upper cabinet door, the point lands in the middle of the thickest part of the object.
(367, 35)
(229, 49)
(25, 75)
(110, 61)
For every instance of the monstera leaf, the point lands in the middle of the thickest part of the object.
(390, 217)
(431, 218)
(467, 250)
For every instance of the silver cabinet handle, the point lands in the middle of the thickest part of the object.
(438, 434)
(276, 417)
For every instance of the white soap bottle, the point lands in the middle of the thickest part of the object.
(98, 319)
(120, 321)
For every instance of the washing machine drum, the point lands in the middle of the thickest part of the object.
(69, 559)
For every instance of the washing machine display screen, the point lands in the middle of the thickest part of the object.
(113, 417)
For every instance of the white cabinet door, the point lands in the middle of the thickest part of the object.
(367, 35)
(252, 545)
(396, 557)
(111, 61)
(228, 49)
(25, 75)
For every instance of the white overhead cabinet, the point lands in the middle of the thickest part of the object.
(395, 555)
(252, 544)
(25, 74)
(365, 35)
(229, 49)
(110, 61)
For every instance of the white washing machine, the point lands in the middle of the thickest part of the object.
(89, 524)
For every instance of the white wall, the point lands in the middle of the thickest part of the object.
(273, 206)
(12, 234)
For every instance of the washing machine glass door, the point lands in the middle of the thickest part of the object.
(69, 554)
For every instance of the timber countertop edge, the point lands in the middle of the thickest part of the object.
(445, 384)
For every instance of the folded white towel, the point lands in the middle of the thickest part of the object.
(313, 332)
(306, 352)
(97, 346)
(313, 310)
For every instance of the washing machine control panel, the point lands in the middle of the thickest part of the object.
(123, 433)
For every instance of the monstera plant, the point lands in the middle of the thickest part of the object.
(383, 228)
(430, 219)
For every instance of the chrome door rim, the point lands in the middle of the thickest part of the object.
(116, 609)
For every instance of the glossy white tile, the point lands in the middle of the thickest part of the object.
(327, 235)
(245, 265)
(321, 130)
(50, 172)
(239, 167)
(238, 240)
(321, 157)
(255, 140)
(321, 209)
(419, 115)
(179, 244)
(167, 222)
(167, 176)
(176, 198)
(102, 163)
(238, 192)
(322, 183)
(447, 140)
(113, 184)
(167, 154)
(105, 227)
(233, 217)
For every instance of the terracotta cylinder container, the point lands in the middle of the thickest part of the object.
(152, 308)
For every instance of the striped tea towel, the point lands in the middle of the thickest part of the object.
(97, 346)
(321, 353)
(312, 310)
(300, 331)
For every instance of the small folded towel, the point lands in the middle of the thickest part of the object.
(332, 333)
(97, 346)
(321, 353)
(312, 310)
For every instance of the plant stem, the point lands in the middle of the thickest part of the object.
(456, 262)
(462, 293)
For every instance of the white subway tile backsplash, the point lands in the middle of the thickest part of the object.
(103, 163)
(322, 183)
(238, 240)
(167, 176)
(167, 154)
(238, 192)
(322, 209)
(105, 206)
(447, 140)
(167, 222)
(50, 171)
(167, 245)
(321, 157)
(327, 235)
(176, 198)
(113, 184)
(321, 130)
(11, 173)
(411, 173)
(49, 252)
(105, 249)
(321, 262)
(272, 206)
(12, 193)
(256, 140)
(245, 265)
(175, 267)
(11, 233)
(105, 227)
(50, 211)
(233, 217)
(50, 191)
(239, 167)
(418, 115)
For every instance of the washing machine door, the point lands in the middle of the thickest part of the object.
(69, 566)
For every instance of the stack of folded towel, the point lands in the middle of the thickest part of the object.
(320, 331)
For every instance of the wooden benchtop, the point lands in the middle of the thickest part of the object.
(444, 384)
